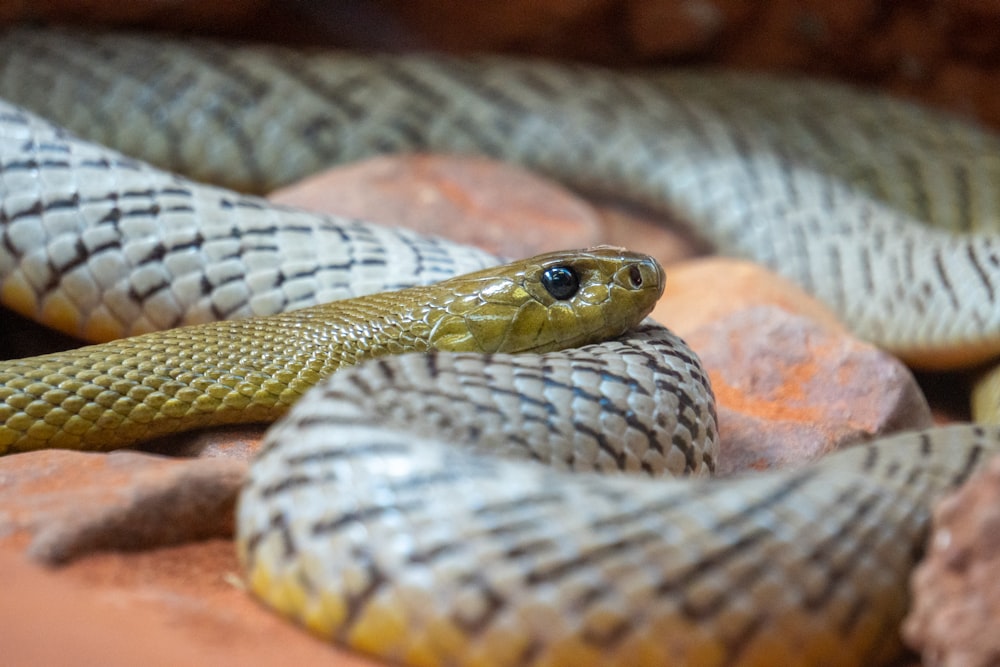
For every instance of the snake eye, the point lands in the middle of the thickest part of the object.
(635, 276)
(561, 282)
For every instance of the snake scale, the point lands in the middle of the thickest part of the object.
(361, 519)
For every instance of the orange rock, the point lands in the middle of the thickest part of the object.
(481, 202)
(66, 504)
(173, 606)
(703, 290)
(790, 388)
(638, 229)
(790, 392)
(955, 617)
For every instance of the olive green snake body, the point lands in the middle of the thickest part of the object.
(251, 370)
(357, 520)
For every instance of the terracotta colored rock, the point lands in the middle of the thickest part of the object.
(954, 620)
(172, 606)
(67, 504)
(481, 202)
(638, 229)
(789, 388)
(790, 392)
(239, 442)
(703, 290)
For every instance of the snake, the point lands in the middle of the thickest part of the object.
(377, 514)
(251, 370)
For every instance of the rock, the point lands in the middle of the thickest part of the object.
(482, 202)
(636, 228)
(485, 203)
(239, 442)
(790, 392)
(706, 289)
(67, 504)
(789, 388)
(954, 619)
(173, 606)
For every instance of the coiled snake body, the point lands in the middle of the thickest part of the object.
(357, 520)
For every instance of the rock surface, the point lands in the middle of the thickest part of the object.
(67, 504)
(173, 606)
(790, 392)
(955, 617)
(485, 203)
(790, 384)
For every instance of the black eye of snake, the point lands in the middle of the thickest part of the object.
(635, 276)
(561, 282)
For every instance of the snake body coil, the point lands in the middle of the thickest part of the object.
(373, 528)
(831, 188)
(361, 519)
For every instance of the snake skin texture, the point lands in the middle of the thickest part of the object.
(99, 246)
(826, 185)
(127, 391)
(438, 555)
(374, 515)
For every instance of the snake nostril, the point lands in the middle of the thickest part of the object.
(635, 276)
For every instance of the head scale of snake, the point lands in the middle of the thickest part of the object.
(553, 301)
(123, 392)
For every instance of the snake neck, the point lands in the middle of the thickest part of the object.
(121, 393)
(128, 391)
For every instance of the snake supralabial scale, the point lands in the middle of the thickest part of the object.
(357, 520)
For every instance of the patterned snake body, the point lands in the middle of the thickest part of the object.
(123, 392)
(537, 567)
(358, 521)
(827, 186)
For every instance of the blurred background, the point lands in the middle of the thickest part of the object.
(943, 52)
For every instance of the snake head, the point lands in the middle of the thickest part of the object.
(549, 302)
